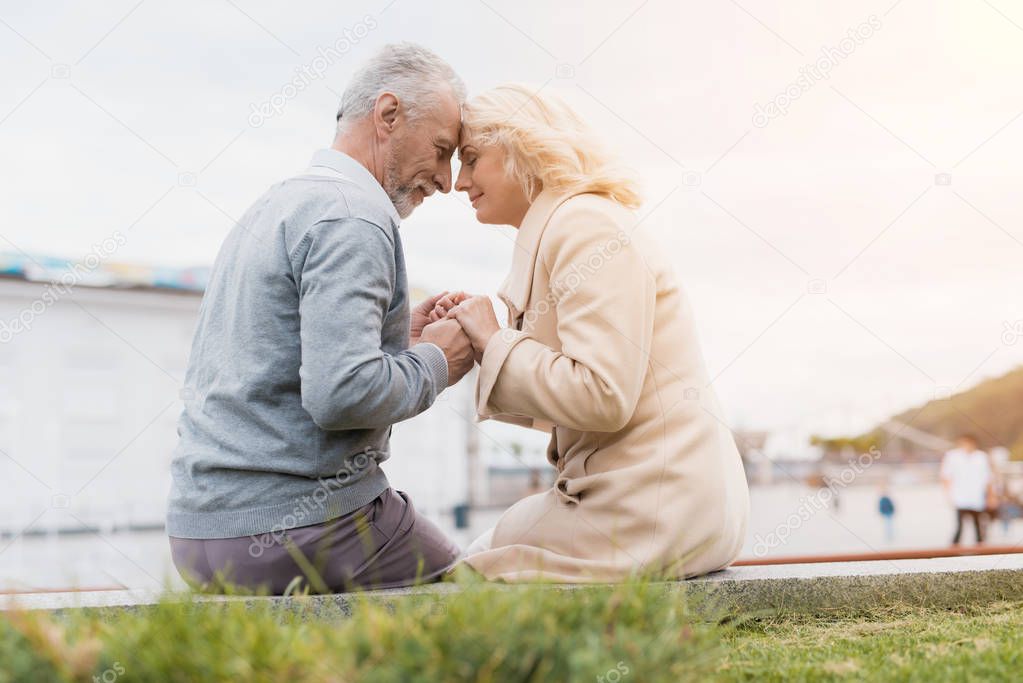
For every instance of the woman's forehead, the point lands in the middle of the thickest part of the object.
(466, 136)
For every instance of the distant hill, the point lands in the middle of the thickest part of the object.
(992, 411)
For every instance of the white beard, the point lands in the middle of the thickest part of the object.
(402, 196)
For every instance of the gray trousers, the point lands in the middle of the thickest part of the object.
(384, 544)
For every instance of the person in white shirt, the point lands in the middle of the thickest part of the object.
(966, 476)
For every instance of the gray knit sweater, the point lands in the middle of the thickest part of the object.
(300, 363)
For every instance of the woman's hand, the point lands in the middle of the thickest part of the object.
(443, 304)
(479, 322)
(431, 310)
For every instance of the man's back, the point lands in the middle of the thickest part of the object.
(291, 388)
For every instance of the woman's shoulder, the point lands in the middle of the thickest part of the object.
(588, 202)
(587, 217)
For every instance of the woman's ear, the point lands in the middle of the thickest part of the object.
(533, 188)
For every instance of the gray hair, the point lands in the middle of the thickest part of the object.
(411, 72)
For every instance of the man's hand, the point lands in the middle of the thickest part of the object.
(448, 335)
(421, 317)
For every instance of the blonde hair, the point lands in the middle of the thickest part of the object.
(547, 145)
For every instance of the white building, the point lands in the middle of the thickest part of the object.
(90, 400)
(89, 403)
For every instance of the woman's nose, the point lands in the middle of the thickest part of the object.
(462, 183)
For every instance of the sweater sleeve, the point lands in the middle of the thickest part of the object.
(604, 301)
(347, 279)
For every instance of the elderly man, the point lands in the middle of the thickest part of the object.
(306, 354)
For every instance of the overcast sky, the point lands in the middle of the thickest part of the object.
(849, 257)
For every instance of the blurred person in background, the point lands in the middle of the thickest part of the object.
(886, 506)
(967, 478)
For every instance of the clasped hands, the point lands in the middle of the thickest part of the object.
(460, 324)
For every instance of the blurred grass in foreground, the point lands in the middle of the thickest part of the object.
(634, 632)
(485, 632)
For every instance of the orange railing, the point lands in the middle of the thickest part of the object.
(916, 554)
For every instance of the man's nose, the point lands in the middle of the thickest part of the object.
(443, 179)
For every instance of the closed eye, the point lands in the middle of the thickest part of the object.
(444, 149)
(467, 155)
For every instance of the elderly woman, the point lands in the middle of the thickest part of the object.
(601, 350)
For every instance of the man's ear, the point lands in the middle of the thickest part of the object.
(385, 114)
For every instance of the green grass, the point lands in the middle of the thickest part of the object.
(898, 644)
(636, 632)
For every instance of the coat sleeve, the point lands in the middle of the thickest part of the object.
(604, 296)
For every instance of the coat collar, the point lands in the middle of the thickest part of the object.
(514, 292)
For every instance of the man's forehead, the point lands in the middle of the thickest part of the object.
(448, 119)
(453, 119)
(444, 138)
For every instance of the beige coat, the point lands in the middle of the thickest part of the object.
(602, 351)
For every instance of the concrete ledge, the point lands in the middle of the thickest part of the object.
(841, 586)
(859, 586)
